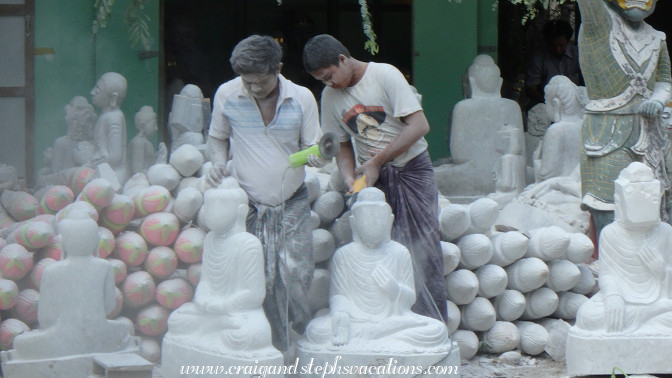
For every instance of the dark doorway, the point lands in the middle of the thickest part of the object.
(200, 34)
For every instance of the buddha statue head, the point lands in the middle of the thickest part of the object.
(79, 233)
(225, 207)
(637, 197)
(564, 99)
(484, 77)
(666, 117)
(145, 121)
(371, 218)
(80, 118)
(110, 91)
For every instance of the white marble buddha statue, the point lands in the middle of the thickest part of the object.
(509, 172)
(141, 152)
(109, 132)
(74, 148)
(76, 294)
(226, 316)
(371, 292)
(473, 134)
(558, 155)
(635, 256)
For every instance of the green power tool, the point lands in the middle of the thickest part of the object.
(327, 148)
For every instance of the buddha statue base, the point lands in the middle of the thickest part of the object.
(631, 354)
(442, 361)
(80, 365)
(177, 356)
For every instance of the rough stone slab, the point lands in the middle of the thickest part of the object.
(633, 355)
(445, 364)
(78, 366)
(126, 365)
(174, 356)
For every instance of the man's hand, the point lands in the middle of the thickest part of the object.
(216, 173)
(316, 161)
(371, 170)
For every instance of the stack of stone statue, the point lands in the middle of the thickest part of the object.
(153, 234)
(511, 289)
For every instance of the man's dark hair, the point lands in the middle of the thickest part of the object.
(558, 28)
(322, 51)
(256, 54)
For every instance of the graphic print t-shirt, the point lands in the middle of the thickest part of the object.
(370, 112)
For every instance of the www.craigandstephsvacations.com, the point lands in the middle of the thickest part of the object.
(390, 367)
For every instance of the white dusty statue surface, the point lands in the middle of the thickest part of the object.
(473, 135)
(109, 132)
(225, 323)
(370, 298)
(552, 202)
(558, 155)
(555, 198)
(537, 123)
(510, 168)
(76, 294)
(75, 148)
(186, 118)
(629, 321)
(141, 153)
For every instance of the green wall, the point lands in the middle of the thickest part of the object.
(80, 59)
(447, 37)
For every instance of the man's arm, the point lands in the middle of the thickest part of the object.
(416, 127)
(218, 150)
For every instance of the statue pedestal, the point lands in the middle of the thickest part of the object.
(180, 360)
(81, 365)
(631, 354)
(342, 363)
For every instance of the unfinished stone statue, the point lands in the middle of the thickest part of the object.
(371, 294)
(510, 168)
(109, 132)
(186, 118)
(225, 324)
(558, 154)
(629, 321)
(76, 294)
(537, 122)
(473, 135)
(626, 67)
(75, 148)
(552, 202)
(141, 151)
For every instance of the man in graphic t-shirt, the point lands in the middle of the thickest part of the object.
(373, 105)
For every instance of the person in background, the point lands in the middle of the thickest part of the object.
(560, 57)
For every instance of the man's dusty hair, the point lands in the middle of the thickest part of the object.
(322, 51)
(256, 54)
